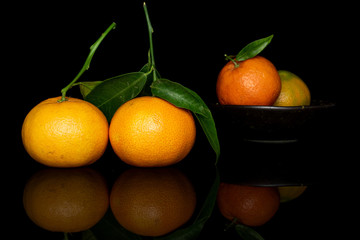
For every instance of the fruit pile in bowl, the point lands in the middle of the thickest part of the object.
(259, 103)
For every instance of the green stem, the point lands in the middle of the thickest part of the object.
(150, 30)
(87, 62)
(233, 60)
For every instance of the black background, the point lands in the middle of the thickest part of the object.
(47, 44)
(190, 40)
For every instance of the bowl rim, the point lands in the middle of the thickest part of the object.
(315, 104)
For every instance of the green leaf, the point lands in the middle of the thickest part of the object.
(208, 125)
(87, 87)
(253, 48)
(247, 233)
(183, 97)
(179, 95)
(109, 95)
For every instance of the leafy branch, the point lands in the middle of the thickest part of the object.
(87, 62)
(111, 93)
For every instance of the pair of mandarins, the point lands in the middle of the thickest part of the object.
(144, 132)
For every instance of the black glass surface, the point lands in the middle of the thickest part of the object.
(260, 146)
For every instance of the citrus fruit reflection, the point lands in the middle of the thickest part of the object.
(252, 206)
(152, 202)
(66, 200)
(288, 193)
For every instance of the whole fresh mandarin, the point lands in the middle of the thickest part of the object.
(71, 133)
(294, 91)
(254, 82)
(151, 132)
(252, 206)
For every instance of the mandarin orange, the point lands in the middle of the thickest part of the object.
(71, 133)
(294, 91)
(254, 82)
(151, 132)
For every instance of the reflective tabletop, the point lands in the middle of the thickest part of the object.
(300, 163)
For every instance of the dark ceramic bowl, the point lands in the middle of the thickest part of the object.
(270, 123)
(274, 146)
